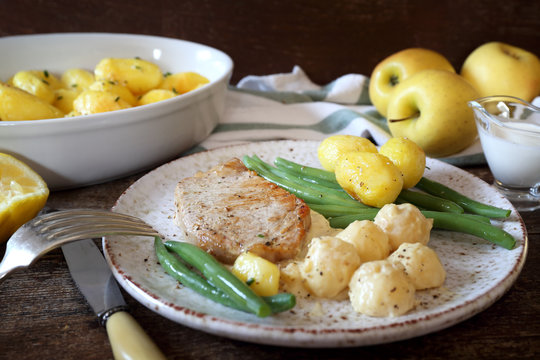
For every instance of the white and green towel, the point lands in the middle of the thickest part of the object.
(291, 106)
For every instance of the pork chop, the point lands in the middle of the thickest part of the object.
(230, 209)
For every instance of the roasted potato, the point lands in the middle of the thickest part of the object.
(369, 177)
(333, 147)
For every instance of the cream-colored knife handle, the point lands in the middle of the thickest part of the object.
(128, 339)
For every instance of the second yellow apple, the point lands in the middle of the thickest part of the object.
(397, 67)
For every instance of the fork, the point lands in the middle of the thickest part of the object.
(54, 228)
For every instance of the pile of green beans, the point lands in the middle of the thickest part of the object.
(215, 281)
(449, 209)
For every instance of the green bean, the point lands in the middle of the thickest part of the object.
(454, 222)
(175, 268)
(309, 174)
(421, 200)
(303, 192)
(219, 276)
(293, 177)
(468, 204)
(280, 302)
(180, 272)
(447, 221)
(430, 202)
(329, 211)
(307, 170)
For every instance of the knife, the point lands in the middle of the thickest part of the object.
(96, 282)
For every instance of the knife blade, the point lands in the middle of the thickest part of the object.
(93, 277)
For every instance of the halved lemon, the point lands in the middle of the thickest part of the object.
(23, 193)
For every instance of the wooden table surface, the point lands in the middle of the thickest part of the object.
(42, 313)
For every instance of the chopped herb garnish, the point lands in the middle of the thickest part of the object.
(46, 73)
(167, 74)
(260, 235)
(60, 97)
(45, 81)
(174, 90)
(117, 98)
(250, 281)
(74, 85)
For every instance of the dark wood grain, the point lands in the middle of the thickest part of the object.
(43, 315)
(326, 38)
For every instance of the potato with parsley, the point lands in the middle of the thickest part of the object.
(77, 80)
(183, 82)
(138, 75)
(113, 87)
(328, 266)
(39, 83)
(421, 263)
(261, 275)
(17, 105)
(409, 158)
(370, 241)
(369, 177)
(381, 288)
(155, 95)
(333, 147)
(93, 102)
(403, 223)
(64, 99)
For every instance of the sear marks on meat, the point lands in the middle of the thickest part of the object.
(230, 209)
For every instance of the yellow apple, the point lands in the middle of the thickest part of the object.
(431, 109)
(399, 66)
(496, 68)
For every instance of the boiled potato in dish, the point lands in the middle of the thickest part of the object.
(64, 99)
(93, 102)
(115, 84)
(181, 83)
(155, 95)
(17, 104)
(333, 147)
(39, 83)
(77, 80)
(369, 177)
(138, 75)
(381, 288)
(113, 87)
(328, 266)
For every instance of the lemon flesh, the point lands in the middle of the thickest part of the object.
(23, 193)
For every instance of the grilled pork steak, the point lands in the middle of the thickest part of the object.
(230, 209)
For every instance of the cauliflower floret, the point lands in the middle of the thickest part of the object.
(381, 288)
(403, 223)
(291, 279)
(421, 263)
(370, 241)
(328, 266)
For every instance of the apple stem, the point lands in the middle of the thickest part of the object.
(416, 114)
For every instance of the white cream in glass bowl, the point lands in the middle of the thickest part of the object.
(82, 150)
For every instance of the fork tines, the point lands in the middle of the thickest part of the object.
(87, 223)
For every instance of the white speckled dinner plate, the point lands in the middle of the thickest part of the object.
(478, 272)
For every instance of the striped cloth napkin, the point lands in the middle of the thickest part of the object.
(290, 106)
